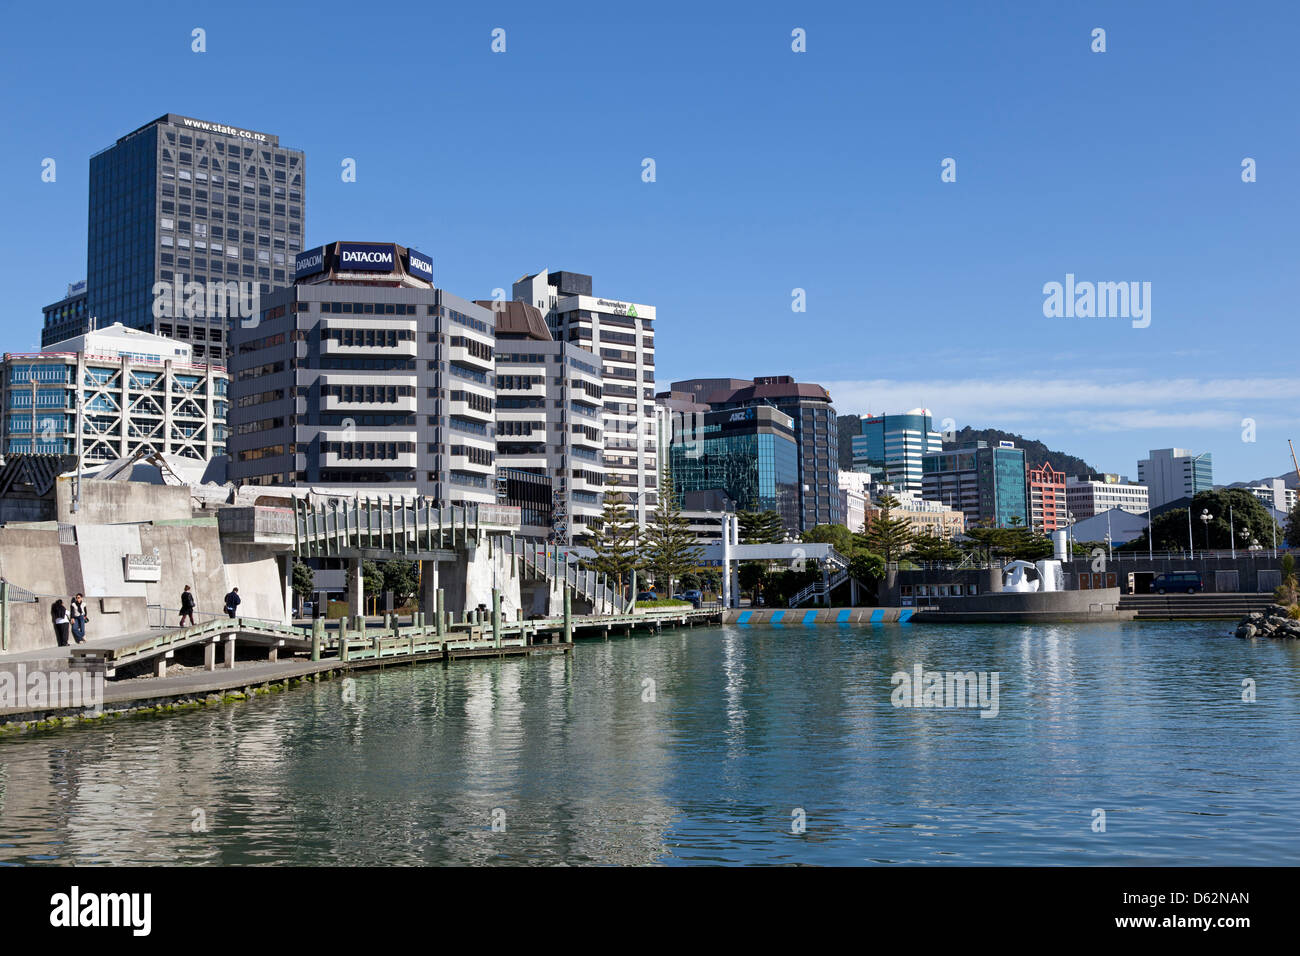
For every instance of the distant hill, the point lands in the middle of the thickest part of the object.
(1036, 453)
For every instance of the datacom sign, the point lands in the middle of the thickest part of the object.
(419, 265)
(365, 257)
(309, 263)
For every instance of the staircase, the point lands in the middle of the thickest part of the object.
(822, 589)
(551, 563)
(1189, 607)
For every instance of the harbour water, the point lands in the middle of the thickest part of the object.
(709, 745)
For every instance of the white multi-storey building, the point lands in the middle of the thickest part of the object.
(108, 393)
(365, 375)
(1174, 473)
(1275, 494)
(621, 335)
(549, 426)
(1086, 497)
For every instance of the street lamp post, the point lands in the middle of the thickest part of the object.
(1206, 518)
(1232, 533)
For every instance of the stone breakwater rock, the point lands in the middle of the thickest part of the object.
(1272, 622)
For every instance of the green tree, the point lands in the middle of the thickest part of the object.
(303, 582)
(930, 547)
(372, 578)
(616, 539)
(1293, 527)
(752, 577)
(867, 566)
(761, 527)
(837, 536)
(887, 536)
(670, 550)
(402, 577)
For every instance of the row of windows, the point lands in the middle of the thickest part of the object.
(260, 398)
(369, 394)
(369, 308)
(479, 456)
(369, 338)
(474, 347)
(252, 454)
(262, 425)
(479, 403)
(368, 450)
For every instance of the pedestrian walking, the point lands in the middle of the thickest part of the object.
(232, 602)
(79, 617)
(187, 606)
(59, 615)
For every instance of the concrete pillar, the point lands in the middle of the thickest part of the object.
(286, 573)
(317, 634)
(826, 583)
(428, 586)
(160, 666)
(633, 597)
(228, 661)
(356, 587)
(496, 617)
(210, 655)
(568, 617)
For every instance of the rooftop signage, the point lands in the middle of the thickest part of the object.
(419, 265)
(366, 257)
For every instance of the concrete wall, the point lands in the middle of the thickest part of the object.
(467, 584)
(1028, 607)
(118, 502)
(191, 554)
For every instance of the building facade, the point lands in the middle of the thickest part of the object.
(621, 336)
(892, 447)
(67, 318)
(815, 428)
(1173, 473)
(550, 435)
(986, 483)
(923, 517)
(1047, 498)
(1086, 497)
(1275, 494)
(181, 205)
(362, 375)
(749, 454)
(109, 393)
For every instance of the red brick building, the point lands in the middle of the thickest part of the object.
(1046, 498)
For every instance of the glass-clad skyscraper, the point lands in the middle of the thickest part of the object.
(986, 483)
(750, 454)
(892, 447)
(182, 201)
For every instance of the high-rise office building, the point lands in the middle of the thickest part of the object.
(986, 483)
(182, 206)
(109, 393)
(750, 454)
(549, 428)
(66, 318)
(363, 374)
(815, 428)
(621, 335)
(1174, 473)
(891, 447)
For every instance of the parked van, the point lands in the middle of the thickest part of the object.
(1188, 581)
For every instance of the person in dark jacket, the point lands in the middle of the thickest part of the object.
(187, 606)
(59, 615)
(79, 617)
(232, 602)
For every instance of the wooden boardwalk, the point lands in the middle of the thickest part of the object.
(313, 651)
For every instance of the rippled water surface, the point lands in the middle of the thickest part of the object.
(576, 763)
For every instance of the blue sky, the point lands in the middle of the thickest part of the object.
(775, 170)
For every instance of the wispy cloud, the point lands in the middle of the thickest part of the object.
(1101, 402)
